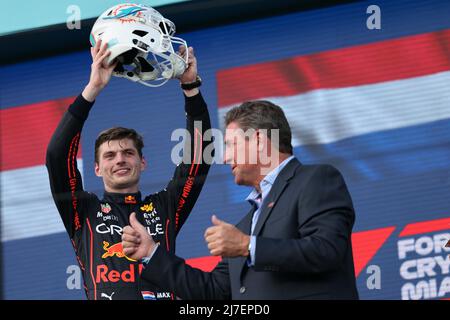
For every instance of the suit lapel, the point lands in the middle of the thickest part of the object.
(277, 189)
(246, 224)
(245, 227)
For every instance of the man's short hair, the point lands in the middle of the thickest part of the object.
(118, 133)
(262, 114)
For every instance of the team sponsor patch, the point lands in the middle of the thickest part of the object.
(147, 207)
(106, 208)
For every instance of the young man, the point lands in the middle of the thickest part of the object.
(94, 225)
(295, 243)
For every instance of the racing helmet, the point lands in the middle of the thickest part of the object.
(142, 41)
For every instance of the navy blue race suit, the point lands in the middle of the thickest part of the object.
(95, 226)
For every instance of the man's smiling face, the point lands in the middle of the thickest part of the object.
(120, 166)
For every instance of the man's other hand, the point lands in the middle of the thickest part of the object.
(226, 240)
(100, 73)
(190, 74)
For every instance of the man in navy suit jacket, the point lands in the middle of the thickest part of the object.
(295, 243)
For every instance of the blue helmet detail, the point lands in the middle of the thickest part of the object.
(125, 12)
(92, 40)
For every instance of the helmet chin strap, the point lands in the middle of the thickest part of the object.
(145, 71)
(148, 84)
(131, 75)
(177, 67)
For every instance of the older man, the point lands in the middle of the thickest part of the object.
(295, 243)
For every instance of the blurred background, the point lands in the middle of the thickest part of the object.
(365, 86)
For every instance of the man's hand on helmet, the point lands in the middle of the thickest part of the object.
(190, 74)
(100, 74)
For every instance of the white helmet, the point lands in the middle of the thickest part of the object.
(141, 39)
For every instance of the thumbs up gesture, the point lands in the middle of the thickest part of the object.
(226, 240)
(136, 241)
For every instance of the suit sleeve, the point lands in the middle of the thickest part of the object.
(325, 220)
(171, 273)
(190, 175)
(61, 162)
